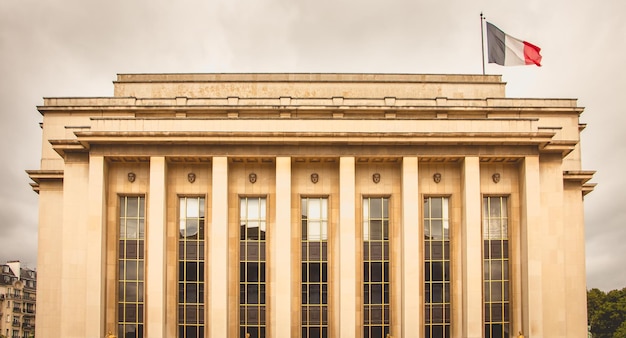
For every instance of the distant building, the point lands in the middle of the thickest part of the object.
(311, 205)
(17, 300)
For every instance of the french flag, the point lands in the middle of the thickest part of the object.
(506, 50)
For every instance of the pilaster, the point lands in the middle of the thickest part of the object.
(74, 232)
(472, 326)
(218, 251)
(411, 256)
(347, 288)
(280, 287)
(96, 248)
(155, 249)
(531, 248)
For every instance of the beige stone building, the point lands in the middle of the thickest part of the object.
(17, 300)
(311, 205)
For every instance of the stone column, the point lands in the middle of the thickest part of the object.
(96, 250)
(49, 258)
(472, 326)
(347, 291)
(411, 256)
(531, 251)
(218, 251)
(155, 249)
(280, 285)
(74, 262)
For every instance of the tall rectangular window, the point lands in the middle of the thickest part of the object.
(191, 267)
(252, 234)
(314, 267)
(130, 305)
(376, 314)
(436, 267)
(496, 267)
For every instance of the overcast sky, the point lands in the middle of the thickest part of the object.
(54, 48)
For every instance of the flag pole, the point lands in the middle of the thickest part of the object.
(482, 41)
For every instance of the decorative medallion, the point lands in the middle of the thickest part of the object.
(495, 177)
(437, 177)
(191, 177)
(315, 178)
(252, 178)
(376, 178)
(131, 177)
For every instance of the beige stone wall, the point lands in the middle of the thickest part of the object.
(284, 127)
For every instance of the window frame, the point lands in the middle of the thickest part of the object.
(199, 239)
(323, 304)
(446, 303)
(506, 282)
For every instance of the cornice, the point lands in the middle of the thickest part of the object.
(582, 178)
(41, 176)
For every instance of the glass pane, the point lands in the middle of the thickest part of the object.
(201, 206)
(435, 208)
(376, 230)
(314, 294)
(252, 272)
(315, 231)
(385, 207)
(193, 209)
(192, 227)
(131, 228)
(131, 270)
(315, 209)
(262, 230)
(262, 207)
(495, 207)
(243, 208)
(141, 228)
(376, 208)
(142, 208)
(191, 293)
(436, 228)
(496, 270)
(314, 272)
(132, 207)
(181, 207)
(377, 271)
(253, 209)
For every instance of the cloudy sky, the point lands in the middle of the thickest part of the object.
(54, 48)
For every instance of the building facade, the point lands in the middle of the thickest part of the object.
(311, 205)
(17, 300)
